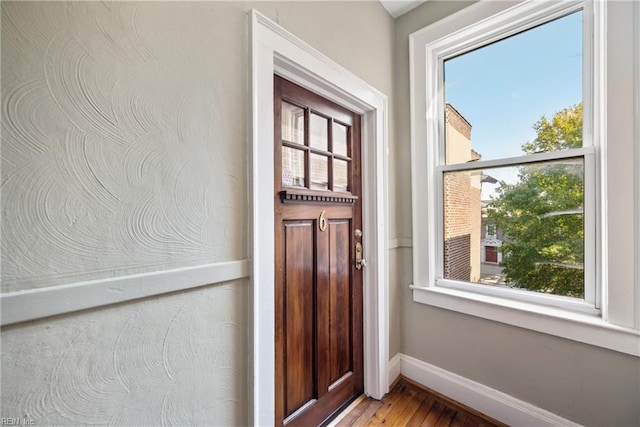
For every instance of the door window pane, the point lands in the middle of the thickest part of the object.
(292, 119)
(319, 170)
(340, 175)
(292, 167)
(339, 139)
(319, 132)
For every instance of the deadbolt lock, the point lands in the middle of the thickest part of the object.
(358, 233)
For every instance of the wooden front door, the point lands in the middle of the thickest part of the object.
(318, 303)
(491, 254)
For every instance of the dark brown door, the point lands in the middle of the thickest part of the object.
(491, 254)
(318, 291)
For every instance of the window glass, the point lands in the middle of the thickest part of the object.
(533, 228)
(502, 98)
(292, 167)
(340, 175)
(339, 139)
(517, 97)
(319, 172)
(319, 132)
(292, 118)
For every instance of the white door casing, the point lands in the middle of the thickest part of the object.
(274, 50)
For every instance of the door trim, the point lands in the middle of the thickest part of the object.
(274, 50)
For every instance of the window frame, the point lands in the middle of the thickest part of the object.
(475, 26)
(502, 26)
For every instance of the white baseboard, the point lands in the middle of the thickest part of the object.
(394, 368)
(494, 403)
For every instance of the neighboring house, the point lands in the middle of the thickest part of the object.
(492, 236)
(462, 207)
(469, 240)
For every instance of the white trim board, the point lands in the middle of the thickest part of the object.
(636, 121)
(37, 303)
(394, 368)
(400, 243)
(491, 402)
(274, 50)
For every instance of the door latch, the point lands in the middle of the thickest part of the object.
(360, 261)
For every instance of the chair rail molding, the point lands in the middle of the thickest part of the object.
(32, 304)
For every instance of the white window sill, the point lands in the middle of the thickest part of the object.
(579, 327)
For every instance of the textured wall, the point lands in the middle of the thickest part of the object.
(170, 360)
(115, 153)
(124, 150)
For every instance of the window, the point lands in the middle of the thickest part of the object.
(326, 155)
(511, 145)
(510, 168)
(491, 162)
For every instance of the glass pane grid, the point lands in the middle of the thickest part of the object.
(324, 151)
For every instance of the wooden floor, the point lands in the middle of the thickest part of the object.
(410, 405)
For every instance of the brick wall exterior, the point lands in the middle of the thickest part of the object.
(462, 205)
(459, 123)
(457, 226)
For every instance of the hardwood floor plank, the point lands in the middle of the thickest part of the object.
(446, 418)
(413, 405)
(408, 404)
(355, 413)
(368, 413)
(459, 420)
(400, 406)
(389, 403)
(421, 413)
(433, 416)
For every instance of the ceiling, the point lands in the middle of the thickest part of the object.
(400, 7)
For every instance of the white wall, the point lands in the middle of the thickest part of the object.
(124, 145)
(168, 360)
(124, 150)
(118, 122)
(585, 384)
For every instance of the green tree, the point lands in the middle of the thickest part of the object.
(541, 215)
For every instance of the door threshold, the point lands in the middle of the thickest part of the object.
(339, 415)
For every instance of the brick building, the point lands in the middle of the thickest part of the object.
(462, 203)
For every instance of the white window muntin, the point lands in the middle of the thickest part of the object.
(495, 28)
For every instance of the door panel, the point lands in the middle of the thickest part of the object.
(491, 254)
(340, 297)
(299, 323)
(318, 291)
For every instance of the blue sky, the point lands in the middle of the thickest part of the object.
(504, 88)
